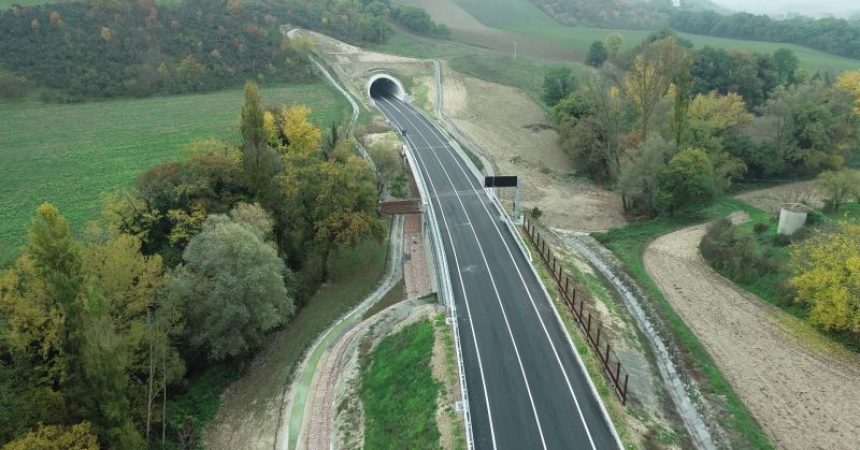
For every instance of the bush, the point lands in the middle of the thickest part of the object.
(734, 252)
(760, 228)
(12, 86)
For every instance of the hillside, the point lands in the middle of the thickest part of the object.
(608, 13)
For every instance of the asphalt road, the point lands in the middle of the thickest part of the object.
(526, 388)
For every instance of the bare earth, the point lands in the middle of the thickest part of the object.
(513, 132)
(803, 391)
(771, 199)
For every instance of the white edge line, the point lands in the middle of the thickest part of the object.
(443, 277)
(489, 272)
(518, 239)
(439, 249)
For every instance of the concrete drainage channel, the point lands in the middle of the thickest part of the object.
(601, 259)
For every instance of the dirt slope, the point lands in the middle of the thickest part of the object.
(803, 391)
(512, 131)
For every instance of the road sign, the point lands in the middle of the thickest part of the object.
(502, 181)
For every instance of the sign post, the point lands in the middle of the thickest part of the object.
(507, 181)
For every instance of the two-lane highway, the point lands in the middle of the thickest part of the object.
(527, 390)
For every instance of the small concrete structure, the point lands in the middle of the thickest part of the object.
(383, 84)
(792, 217)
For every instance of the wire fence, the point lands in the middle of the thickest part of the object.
(575, 298)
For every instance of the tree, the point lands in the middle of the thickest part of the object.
(653, 71)
(786, 63)
(597, 54)
(826, 272)
(233, 287)
(300, 134)
(55, 437)
(687, 181)
(573, 106)
(838, 186)
(850, 81)
(345, 207)
(607, 108)
(583, 143)
(558, 82)
(614, 44)
(258, 160)
(811, 125)
(638, 179)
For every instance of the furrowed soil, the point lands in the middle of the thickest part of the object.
(803, 390)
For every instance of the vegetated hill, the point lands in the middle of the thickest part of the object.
(837, 36)
(643, 14)
(83, 50)
(116, 48)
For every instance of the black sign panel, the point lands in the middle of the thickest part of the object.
(503, 181)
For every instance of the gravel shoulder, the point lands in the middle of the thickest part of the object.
(804, 391)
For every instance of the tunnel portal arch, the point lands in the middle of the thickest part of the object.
(384, 84)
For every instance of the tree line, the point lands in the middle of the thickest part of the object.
(671, 127)
(131, 48)
(829, 34)
(195, 264)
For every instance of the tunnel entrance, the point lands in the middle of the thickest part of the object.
(383, 85)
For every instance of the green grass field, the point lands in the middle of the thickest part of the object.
(399, 392)
(523, 18)
(71, 154)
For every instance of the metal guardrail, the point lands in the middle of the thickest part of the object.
(441, 273)
(583, 316)
(444, 289)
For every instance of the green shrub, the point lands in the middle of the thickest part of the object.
(735, 252)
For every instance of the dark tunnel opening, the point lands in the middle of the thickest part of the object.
(384, 87)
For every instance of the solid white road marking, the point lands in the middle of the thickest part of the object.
(489, 271)
(473, 182)
(468, 309)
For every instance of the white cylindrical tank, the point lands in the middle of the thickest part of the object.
(790, 221)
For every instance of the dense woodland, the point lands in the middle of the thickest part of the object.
(195, 264)
(832, 35)
(113, 48)
(654, 119)
(672, 129)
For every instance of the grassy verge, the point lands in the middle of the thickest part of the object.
(451, 383)
(592, 362)
(70, 154)
(399, 392)
(354, 274)
(628, 244)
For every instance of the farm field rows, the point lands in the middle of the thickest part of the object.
(70, 154)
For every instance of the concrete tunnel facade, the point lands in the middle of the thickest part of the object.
(384, 85)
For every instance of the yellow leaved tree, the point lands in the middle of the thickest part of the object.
(827, 278)
(303, 137)
(850, 81)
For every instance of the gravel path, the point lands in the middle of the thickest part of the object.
(803, 391)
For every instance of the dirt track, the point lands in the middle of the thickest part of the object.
(803, 391)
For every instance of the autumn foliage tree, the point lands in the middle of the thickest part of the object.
(827, 279)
